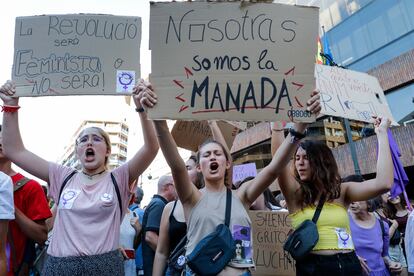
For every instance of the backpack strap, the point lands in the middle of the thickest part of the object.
(17, 186)
(20, 183)
(381, 222)
(118, 194)
(228, 208)
(64, 184)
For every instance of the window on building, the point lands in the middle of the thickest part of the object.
(377, 31)
(398, 20)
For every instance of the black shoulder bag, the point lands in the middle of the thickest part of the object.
(301, 241)
(214, 251)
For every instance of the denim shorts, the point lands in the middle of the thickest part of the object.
(397, 255)
(341, 264)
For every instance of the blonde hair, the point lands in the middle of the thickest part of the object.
(106, 138)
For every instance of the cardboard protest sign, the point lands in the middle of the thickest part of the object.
(232, 60)
(240, 172)
(270, 230)
(76, 54)
(191, 134)
(239, 125)
(350, 94)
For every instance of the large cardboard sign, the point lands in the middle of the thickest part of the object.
(233, 61)
(76, 54)
(191, 134)
(270, 230)
(350, 94)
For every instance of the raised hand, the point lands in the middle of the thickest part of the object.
(144, 95)
(381, 124)
(7, 92)
(314, 103)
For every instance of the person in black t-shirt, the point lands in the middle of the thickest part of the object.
(152, 219)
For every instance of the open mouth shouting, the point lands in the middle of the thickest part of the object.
(89, 154)
(214, 167)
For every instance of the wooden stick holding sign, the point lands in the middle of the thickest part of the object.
(232, 61)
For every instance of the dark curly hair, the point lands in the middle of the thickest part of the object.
(325, 178)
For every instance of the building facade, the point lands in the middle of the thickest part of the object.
(118, 134)
(377, 37)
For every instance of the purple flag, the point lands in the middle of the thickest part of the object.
(400, 177)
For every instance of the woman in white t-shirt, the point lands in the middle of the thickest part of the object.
(129, 240)
(6, 214)
(93, 201)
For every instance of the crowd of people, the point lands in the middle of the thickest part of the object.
(97, 225)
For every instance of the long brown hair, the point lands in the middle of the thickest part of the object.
(226, 154)
(325, 179)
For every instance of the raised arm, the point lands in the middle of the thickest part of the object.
(12, 143)
(249, 193)
(187, 192)
(143, 97)
(287, 183)
(281, 158)
(218, 136)
(357, 191)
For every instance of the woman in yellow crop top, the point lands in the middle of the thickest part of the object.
(315, 174)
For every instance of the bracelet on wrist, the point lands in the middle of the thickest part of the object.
(10, 108)
(296, 136)
(140, 110)
(274, 129)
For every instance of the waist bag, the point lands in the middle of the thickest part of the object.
(301, 241)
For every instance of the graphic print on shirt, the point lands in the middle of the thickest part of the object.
(344, 239)
(107, 197)
(67, 198)
(242, 237)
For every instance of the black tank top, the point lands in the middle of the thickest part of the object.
(177, 229)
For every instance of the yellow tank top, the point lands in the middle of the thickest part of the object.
(333, 226)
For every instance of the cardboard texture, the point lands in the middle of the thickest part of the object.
(76, 54)
(350, 94)
(240, 172)
(191, 134)
(270, 230)
(232, 61)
